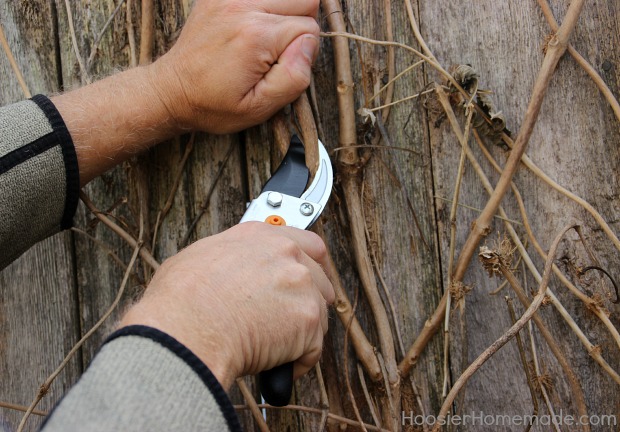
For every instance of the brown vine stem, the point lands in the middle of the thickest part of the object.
(305, 118)
(577, 392)
(173, 190)
(350, 162)
(147, 32)
(144, 254)
(21, 408)
(453, 209)
(131, 35)
(76, 49)
(522, 356)
(538, 373)
(364, 350)
(391, 61)
(602, 86)
(13, 63)
(481, 227)
(48, 382)
(254, 409)
(487, 257)
(553, 184)
(95, 47)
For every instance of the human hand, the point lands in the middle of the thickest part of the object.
(237, 62)
(243, 301)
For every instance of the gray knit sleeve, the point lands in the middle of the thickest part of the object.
(144, 380)
(39, 176)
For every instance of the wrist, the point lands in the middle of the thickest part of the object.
(205, 342)
(113, 119)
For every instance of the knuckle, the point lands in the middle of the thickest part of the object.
(298, 276)
(289, 248)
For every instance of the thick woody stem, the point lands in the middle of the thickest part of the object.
(350, 162)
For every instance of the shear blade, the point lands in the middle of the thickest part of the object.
(292, 175)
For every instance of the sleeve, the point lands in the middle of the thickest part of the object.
(144, 380)
(39, 176)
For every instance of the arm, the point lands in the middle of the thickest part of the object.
(229, 305)
(235, 64)
(233, 304)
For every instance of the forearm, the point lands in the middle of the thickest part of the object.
(114, 119)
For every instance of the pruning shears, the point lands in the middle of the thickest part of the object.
(286, 201)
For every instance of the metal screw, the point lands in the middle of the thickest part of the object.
(274, 199)
(306, 209)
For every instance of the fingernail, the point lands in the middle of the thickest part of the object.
(310, 47)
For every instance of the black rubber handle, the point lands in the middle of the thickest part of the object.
(276, 385)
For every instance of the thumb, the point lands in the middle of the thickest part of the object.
(291, 75)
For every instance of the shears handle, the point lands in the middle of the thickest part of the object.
(276, 385)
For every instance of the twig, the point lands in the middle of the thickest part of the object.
(552, 183)
(345, 362)
(455, 201)
(363, 348)
(131, 35)
(161, 215)
(93, 51)
(502, 340)
(144, 254)
(13, 63)
(391, 82)
(205, 204)
(254, 409)
(500, 217)
(369, 402)
(103, 246)
(526, 369)
(537, 370)
(391, 62)
(21, 408)
(147, 32)
(48, 382)
(323, 395)
(76, 49)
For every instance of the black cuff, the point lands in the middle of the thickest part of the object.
(72, 171)
(181, 351)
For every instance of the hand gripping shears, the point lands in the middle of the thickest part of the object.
(285, 200)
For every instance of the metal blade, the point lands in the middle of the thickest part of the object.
(292, 175)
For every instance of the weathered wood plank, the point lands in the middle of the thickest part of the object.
(38, 316)
(575, 142)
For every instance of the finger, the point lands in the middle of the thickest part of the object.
(297, 7)
(283, 31)
(306, 362)
(290, 76)
(322, 282)
(310, 243)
